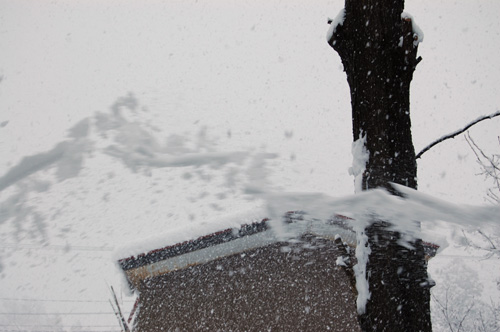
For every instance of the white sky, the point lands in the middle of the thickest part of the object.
(261, 71)
(261, 68)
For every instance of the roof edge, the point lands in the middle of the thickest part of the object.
(185, 247)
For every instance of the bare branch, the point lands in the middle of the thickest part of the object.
(463, 318)
(490, 167)
(490, 160)
(488, 239)
(491, 250)
(455, 133)
(444, 309)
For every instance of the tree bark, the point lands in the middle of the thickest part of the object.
(378, 49)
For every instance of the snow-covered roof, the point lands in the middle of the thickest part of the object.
(204, 242)
(218, 238)
(190, 231)
(180, 249)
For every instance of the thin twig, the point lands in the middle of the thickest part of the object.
(490, 166)
(118, 311)
(455, 133)
(493, 247)
(490, 160)
(463, 318)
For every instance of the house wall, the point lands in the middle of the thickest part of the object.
(278, 287)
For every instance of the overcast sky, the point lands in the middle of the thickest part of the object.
(226, 76)
(255, 69)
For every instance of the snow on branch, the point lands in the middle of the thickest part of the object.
(402, 212)
(418, 33)
(334, 23)
(406, 213)
(455, 133)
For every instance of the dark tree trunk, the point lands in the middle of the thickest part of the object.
(379, 53)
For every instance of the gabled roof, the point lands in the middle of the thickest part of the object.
(199, 263)
(231, 241)
(235, 240)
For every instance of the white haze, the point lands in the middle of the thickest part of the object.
(120, 121)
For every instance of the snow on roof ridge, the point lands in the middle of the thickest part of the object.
(190, 231)
(185, 247)
(337, 223)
